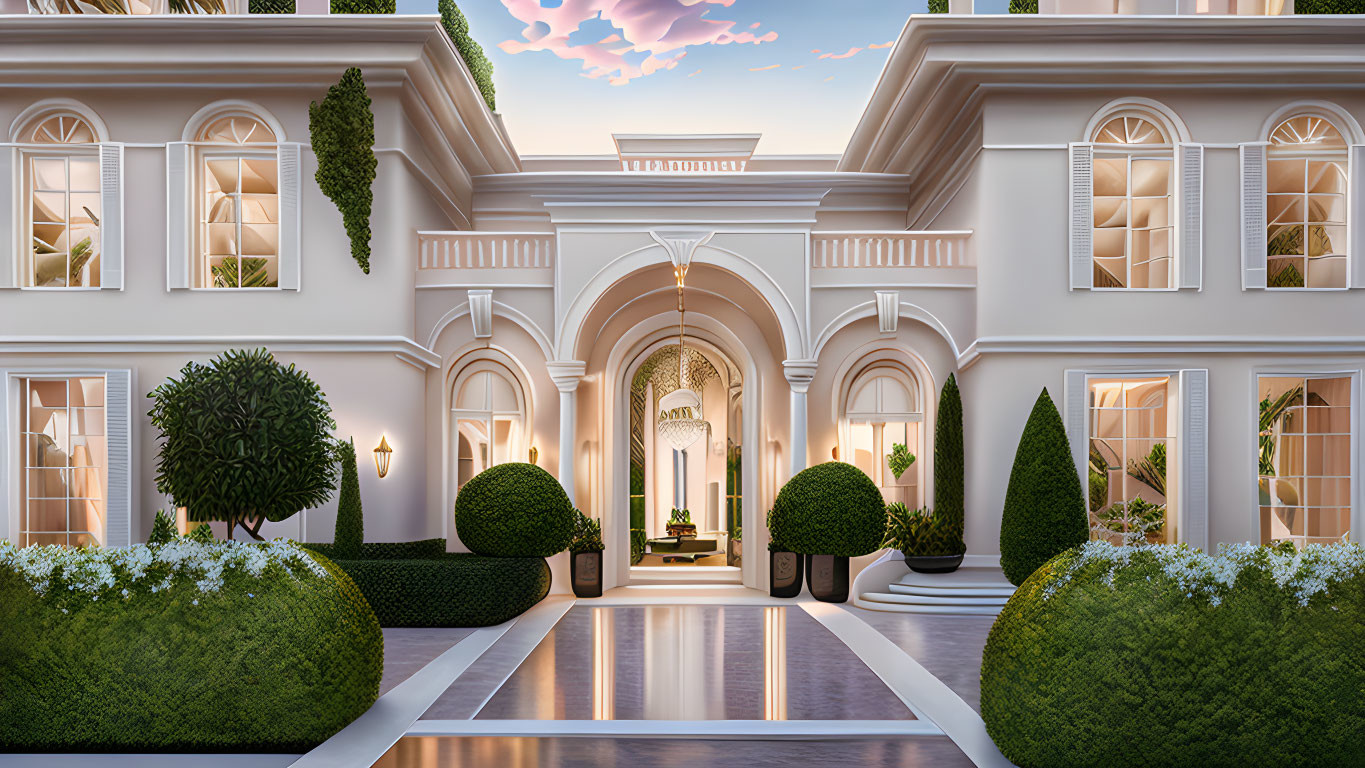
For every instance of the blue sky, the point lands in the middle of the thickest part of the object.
(672, 67)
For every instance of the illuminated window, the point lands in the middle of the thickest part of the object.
(1132, 432)
(884, 410)
(239, 207)
(65, 459)
(1306, 205)
(1131, 187)
(1304, 458)
(62, 177)
(489, 416)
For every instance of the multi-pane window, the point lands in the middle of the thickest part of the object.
(65, 456)
(62, 176)
(1132, 431)
(1131, 187)
(884, 418)
(239, 214)
(1304, 457)
(488, 418)
(1306, 205)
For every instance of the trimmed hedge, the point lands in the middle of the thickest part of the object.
(1165, 656)
(389, 550)
(363, 6)
(276, 654)
(514, 510)
(829, 509)
(1045, 511)
(452, 590)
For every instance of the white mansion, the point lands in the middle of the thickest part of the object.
(1159, 218)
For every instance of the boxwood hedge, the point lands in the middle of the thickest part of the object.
(1165, 656)
(514, 510)
(181, 647)
(388, 550)
(829, 509)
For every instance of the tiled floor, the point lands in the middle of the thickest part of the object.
(468, 752)
(407, 650)
(949, 647)
(686, 662)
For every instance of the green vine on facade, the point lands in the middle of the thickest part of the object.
(342, 130)
(457, 27)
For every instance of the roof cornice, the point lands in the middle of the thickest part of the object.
(746, 185)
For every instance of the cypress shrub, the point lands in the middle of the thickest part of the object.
(350, 528)
(457, 28)
(341, 127)
(1165, 656)
(950, 459)
(514, 510)
(829, 509)
(1044, 508)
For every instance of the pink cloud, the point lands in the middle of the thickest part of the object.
(661, 29)
(854, 50)
(886, 44)
(755, 25)
(851, 52)
(764, 69)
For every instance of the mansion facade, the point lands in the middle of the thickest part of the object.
(1159, 219)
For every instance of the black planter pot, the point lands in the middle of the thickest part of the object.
(933, 563)
(827, 578)
(784, 574)
(585, 572)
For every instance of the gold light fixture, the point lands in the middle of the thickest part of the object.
(532, 455)
(381, 456)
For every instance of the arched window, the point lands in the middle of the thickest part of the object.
(1306, 204)
(239, 206)
(488, 415)
(1131, 187)
(61, 161)
(883, 414)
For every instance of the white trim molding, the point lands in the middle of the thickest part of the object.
(403, 348)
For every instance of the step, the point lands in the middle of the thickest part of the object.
(946, 591)
(876, 601)
(963, 578)
(892, 597)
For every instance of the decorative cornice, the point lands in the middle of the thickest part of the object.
(1170, 345)
(799, 373)
(566, 373)
(403, 348)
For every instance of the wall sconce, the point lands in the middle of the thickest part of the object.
(532, 455)
(381, 456)
(834, 453)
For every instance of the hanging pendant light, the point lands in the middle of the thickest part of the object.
(680, 417)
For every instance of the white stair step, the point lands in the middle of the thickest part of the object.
(871, 601)
(892, 597)
(950, 591)
(963, 578)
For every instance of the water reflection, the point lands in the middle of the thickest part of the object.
(692, 662)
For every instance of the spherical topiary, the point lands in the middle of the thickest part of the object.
(181, 647)
(514, 510)
(829, 509)
(1165, 656)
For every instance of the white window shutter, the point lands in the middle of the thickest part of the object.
(1193, 447)
(1355, 216)
(118, 409)
(1082, 217)
(179, 227)
(1253, 216)
(10, 219)
(1076, 414)
(290, 245)
(1190, 209)
(111, 216)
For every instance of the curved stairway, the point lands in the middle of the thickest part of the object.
(966, 591)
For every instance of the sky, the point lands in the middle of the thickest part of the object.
(569, 73)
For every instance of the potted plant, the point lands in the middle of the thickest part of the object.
(784, 567)
(928, 541)
(829, 513)
(680, 523)
(899, 459)
(585, 556)
(734, 554)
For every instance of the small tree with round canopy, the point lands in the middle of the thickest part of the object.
(244, 439)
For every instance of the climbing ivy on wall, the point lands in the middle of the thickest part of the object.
(342, 130)
(457, 27)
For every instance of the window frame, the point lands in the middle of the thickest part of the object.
(30, 150)
(1173, 442)
(1164, 152)
(202, 152)
(519, 431)
(25, 431)
(861, 375)
(1343, 157)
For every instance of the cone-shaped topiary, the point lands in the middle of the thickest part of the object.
(514, 510)
(1044, 508)
(949, 459)
(829, 509)
(350, 530)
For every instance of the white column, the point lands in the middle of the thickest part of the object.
(566, 374)
(799, 375)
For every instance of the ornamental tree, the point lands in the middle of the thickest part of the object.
(244, 439)
(350, 527)
(949, 459)
(341, 127)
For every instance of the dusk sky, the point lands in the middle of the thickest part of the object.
(569, 73)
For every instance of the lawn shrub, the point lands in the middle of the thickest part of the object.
(829, 509)
(514, 510)
(181, 647)
(1165, 656)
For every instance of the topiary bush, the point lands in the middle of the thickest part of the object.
(350, 527)
(1045, 513)
(341, 127)
(514, 510)
(450, 589)
(1166, 656)
(388, 550)
(363, 6)
(457, 28)
(829, 509)
(950, 502)
(182, 647)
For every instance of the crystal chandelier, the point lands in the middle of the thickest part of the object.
(680, 418)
